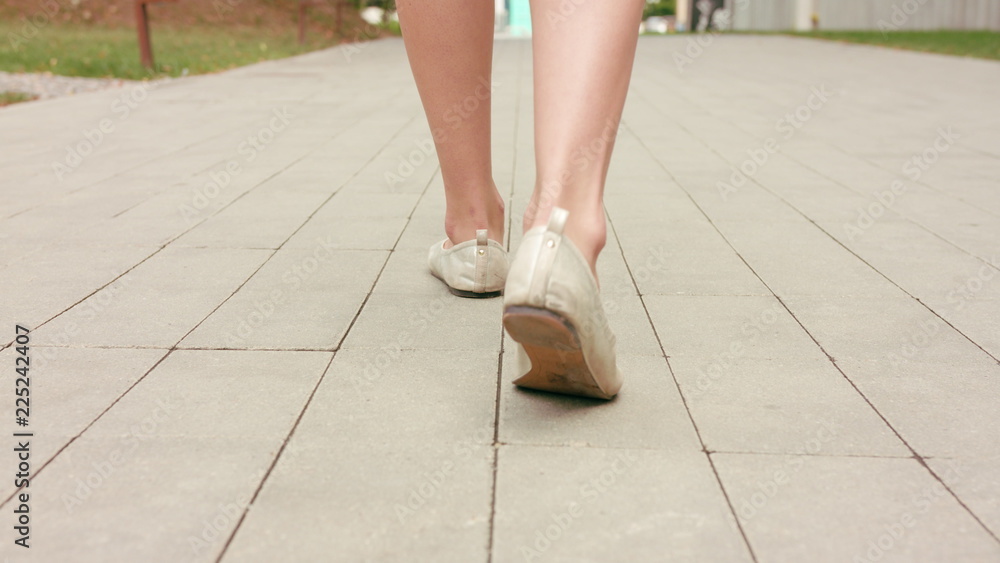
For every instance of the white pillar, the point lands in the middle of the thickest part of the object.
(803, 15)
(683, 16)
(500, 22)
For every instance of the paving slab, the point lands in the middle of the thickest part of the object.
(412, 385)
(193, 440)
(600, 504)
(908, 362)
(261, 219)
(793, 507)
(39, 288)
(800, 259)
(409, 501)
(159, 301)
(437, 322)
(302, 299)
(63, 376)
(725, 328)
(647, 414)
(972, 480)
(777, 406)
(429, 493)
(705, 265)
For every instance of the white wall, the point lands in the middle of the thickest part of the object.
(910, 14)
(763, 15)
(773, 15)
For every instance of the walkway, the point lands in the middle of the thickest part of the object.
(237, 353)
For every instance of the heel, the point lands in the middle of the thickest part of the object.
(552, 343)
(553, 309)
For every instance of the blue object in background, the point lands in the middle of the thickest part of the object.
(520, 17)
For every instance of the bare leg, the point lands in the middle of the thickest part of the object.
(583, 59)
(450, 47)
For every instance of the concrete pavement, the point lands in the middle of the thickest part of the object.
(237, 352)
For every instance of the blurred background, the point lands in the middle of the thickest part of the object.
(103, 40)
(97, 38)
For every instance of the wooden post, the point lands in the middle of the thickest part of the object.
(340, 17)
(142, 26)
(303, 4)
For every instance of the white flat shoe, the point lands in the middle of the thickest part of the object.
(474, 268)
(553, 309)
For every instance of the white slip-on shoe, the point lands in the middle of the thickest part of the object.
(552, 308)
(474, 268)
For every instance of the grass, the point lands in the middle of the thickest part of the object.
(8, 98)
(393, 27)
(979, 44)
(104, 53)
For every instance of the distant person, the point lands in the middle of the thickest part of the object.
(583, 55)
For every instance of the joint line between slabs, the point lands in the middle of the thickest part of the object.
(175, 345)
(666, 359)
(831, 359)
(274, 461)
(171, 240)
(371, 290)
(510, 224)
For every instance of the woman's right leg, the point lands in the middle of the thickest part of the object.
(582, 67)
(583, 54)
(450, 47)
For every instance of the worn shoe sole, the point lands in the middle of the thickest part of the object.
(553, 346)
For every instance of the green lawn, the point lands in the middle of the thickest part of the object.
(100, 52)
(8, 98)
(981, 44)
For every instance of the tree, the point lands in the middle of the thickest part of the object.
(659, 8)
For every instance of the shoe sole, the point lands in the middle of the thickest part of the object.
(473, 294)
(553, 346)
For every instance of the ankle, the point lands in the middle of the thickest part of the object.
(589, 236)
(463, 219)
(585, 227)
